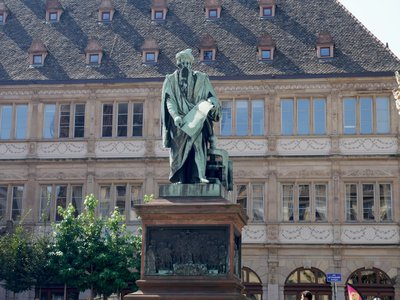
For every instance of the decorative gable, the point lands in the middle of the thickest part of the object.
(150, 51)
(106, 11)
(267, 8)
(324, 45)
(208, 48)
(37, 53)
(4, 12)
(159, 9)
(54, 11)
(213, 9)
(266, 48)
(94, 53)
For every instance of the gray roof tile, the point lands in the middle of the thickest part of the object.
(294, 29)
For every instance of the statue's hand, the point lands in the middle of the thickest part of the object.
(178, 121)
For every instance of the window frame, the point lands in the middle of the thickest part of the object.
(35, 61)
(129, 203)
(250, 197)
(293, 213)
(376, 118)
(266, 8)
(313, 127)
(50, 208)
(9, 202)
(251, 124)
(57, 119)
(130, 120)
(376, 206)
(51, 14)
(105, 13)
(13, 129)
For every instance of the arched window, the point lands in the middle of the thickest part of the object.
(252, 284)
(371, 283)
(312, 279)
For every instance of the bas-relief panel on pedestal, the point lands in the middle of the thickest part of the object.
(320, 234)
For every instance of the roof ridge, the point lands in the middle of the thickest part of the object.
(367, 30)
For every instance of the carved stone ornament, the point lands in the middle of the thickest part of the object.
(396, 92)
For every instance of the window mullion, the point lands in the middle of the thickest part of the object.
(130, 119)
(115, 119)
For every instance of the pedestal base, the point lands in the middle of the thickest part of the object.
(188, 289)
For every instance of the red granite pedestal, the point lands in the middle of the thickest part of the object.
(191, 245)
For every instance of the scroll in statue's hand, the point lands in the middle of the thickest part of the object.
(178, 121)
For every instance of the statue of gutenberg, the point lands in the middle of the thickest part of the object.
(189, 107)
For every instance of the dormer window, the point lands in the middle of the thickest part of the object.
(267, 8)
(4, 12)
(94, 53)
(208, 49)
(324, 46)
(266, 48)
(213, 9)
(37, 53)
(159, 9)
(54, 10)
(106, 11)
(150, 51)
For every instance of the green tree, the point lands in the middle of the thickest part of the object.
(16, 254)
(65, 250)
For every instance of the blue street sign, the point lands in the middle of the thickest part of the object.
(333, 277)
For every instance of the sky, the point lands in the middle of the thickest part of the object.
(380, 17)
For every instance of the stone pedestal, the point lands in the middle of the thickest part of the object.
(191, 245)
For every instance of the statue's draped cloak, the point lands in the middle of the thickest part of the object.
(180, 143)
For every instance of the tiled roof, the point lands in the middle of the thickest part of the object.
(294, 29)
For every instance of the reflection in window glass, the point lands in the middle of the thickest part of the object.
(385, 202)
(382, 115)
(320, 202)
(242, 115)
(304, 202)
(16, 209)
(258, 202)
(319, 116)
(135, 199)
(257, 120)
(65, 114)
(303, 116)
(137, 129)
(368, 201)
(3, 203)
(21, 122)
(122, 129)
(287, 117)
(241, 197)
(5, 121)
(349, 119)
(307, 276)
(45, 201)
(365, 115)
(48, 122)
(351, 202)
(61, 199)
(77, 199)
(105, 201)
(107, 120)
(226, 122)
(287, 202)
(121, 196)
(79, 126)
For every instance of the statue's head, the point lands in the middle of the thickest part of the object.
(184, 61)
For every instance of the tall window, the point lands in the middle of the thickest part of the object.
(53, 196)
(13, 121)
(64, 120)
(122, 119)
(371, 201)
(242, 118)
(366, 115)
(123, 196)
(303, 116)
(11, 202)
(304, 202)
(251, 197)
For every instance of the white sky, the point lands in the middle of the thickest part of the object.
(380, 17)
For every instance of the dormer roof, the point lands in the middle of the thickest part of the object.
(159, 4)
(212, 3)
(106, 4)
(37, 46)
(265, 40)
(207, 41)
(324, 38)
(150, 44)
(93, 46)
(53, 5)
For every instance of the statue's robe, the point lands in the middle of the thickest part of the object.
(180, 144)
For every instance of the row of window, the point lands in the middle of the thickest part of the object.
(240, 117)
(300, 202)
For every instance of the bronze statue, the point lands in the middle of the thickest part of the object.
(189, 107)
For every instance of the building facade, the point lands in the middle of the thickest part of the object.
(309, 121)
